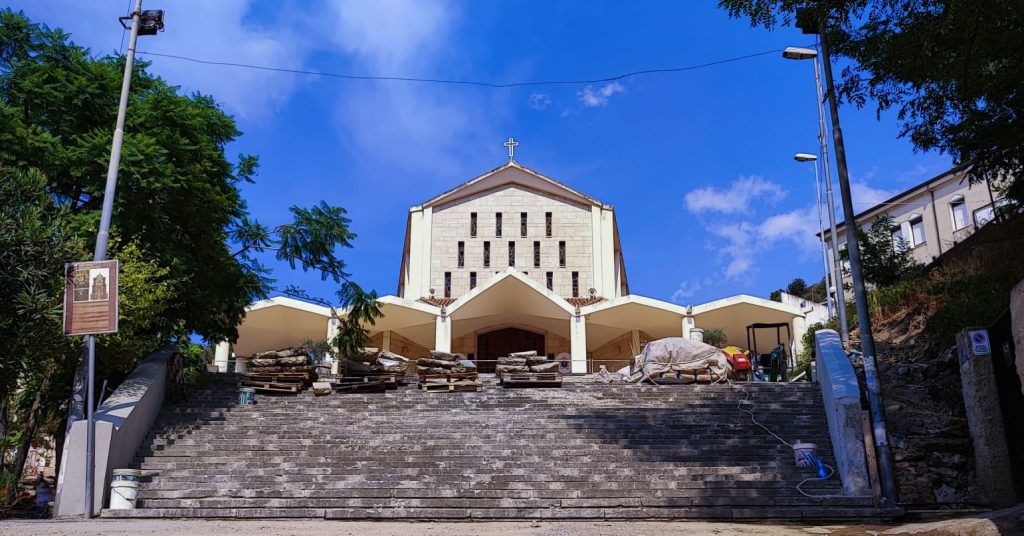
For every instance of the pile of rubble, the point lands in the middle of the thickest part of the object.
(525, 362)
(375, 360)
(444, 363)
(285, 360)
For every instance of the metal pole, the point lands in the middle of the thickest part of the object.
(821, 229)
(100, 252)
(837, 263)
(867, 340)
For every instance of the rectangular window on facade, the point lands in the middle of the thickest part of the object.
(561, 254)
(522, 224)
(462, 254)
(550, 276)
(497, 224)
(898, 241)
(472, 224)
(472, 280)
(447, 284)
(575, 284)
(917, 231)
(984, 215)
(511, 253)
(536, 254)
(487, 254)
(547, 224)
(958, 209)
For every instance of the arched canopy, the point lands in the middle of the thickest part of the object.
(609, 319)
(735, 313)
(509, 299)
(413, 319)
(280, 322)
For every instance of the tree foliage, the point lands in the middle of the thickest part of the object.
(884, 261)
(951, 69)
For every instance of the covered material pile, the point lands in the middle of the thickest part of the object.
(444, 363)
(686, 359)
(525, 362)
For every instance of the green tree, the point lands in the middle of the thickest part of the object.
(885, 261)
(191, 254)
(797, 287)
(951, 69)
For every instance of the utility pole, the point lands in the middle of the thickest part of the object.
(867, 340)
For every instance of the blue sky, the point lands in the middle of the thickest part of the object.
(697, 164)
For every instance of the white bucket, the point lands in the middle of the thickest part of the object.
(241, 364)
(123, 494)
(801, 452)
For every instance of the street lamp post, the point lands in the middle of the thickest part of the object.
(144, 23)
(805, 157)
(887, 475)
(795, 53)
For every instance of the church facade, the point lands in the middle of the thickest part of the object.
(510, 261)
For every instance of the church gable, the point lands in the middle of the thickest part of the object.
(512, 174)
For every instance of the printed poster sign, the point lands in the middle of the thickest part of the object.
(90, 297)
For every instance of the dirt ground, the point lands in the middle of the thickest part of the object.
(1009, 522)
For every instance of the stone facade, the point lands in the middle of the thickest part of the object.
(571, 223)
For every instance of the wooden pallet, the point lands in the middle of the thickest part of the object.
(365, 387)
(448, 387)
(270, 387)
(389, 381)
(450, 377)
(531, 379)
(283, 377)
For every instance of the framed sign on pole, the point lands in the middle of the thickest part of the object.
(90, 297)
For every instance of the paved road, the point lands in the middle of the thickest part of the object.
(1005, 523)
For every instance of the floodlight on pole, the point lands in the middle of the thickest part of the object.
(141, 23)
(806, 157)
(799, 53)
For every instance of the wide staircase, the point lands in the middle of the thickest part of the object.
(584, 451)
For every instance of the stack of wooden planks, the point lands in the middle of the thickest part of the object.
(370, 383)
(449, 383)
(531, 379)
(279, 382)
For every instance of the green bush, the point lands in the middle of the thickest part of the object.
(715, 337)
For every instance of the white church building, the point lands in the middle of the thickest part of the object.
(510, 261)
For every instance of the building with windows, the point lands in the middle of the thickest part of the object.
(931, 217)
(511, 261)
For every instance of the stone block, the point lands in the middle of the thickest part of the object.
(536, 360)
(436, 363)
(321, 388)
(517, 361)
(511, 368)
(443, 356)
(531, 353)
(546, 367)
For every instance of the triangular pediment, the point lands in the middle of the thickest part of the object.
(511, 174)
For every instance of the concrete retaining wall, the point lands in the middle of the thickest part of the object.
(122, 422)
(841, 395)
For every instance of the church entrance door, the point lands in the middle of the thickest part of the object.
(499, 343)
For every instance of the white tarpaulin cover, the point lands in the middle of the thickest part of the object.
(676, 354)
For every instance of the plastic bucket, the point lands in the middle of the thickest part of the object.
(803, 452)
(241, 364)
(123, 494)
(246, 396)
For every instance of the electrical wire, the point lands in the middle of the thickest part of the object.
(465, 82)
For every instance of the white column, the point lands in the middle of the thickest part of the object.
(443, 334)
(386, 340)
(332, 332)
(220, 358)
(688, 324)
(799, 328)
(578, 343)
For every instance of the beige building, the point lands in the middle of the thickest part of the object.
(512, 261)
(931, 217)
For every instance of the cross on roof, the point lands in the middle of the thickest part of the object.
(511, 144)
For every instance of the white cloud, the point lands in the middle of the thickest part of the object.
(736, 198)
(591, 97)
(686, 290)
(865, 196)
(539, 101)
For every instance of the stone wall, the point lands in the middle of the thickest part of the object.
(1017, 327)
(571, 223)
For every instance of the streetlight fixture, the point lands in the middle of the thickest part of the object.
(142, 23)
(806, 157)
(815, 21)
(798, 53)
